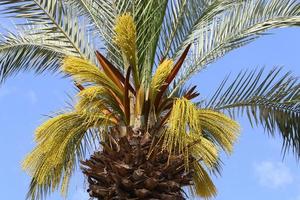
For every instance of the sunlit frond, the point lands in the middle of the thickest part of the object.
(149, 16)
(235, 27)
(53, 19)
(183, 18)
(39, 57)
(91, 10)
(271, 100)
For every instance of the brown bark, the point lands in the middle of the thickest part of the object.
(127, 172)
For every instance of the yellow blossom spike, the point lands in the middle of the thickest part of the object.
(182, 123)
(82, 70)
(184, 134)
(96, 99)
(204, 149)
(161, 74)
(85, 72)
(125, 38)
(88, 96)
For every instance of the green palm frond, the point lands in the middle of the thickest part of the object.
(102, 15)
(53, 19)
(183, 19)
(272, 101)
(149, 16)
(126, 96)
(235, 27)
(91, 10)
(22, 53)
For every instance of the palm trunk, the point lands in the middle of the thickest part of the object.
(124, 170)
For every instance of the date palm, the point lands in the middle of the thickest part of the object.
(149, 133)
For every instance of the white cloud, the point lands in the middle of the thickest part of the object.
(273, 175)
(298, 197)
(295, 198)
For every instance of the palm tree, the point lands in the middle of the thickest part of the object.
(149, 133)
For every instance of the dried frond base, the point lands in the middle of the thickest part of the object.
(124, 172)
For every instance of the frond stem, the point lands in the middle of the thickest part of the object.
(60, 28)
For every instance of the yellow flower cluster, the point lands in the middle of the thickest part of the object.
(125, 38)
(50, 163)
(185, 135)
(161, 74)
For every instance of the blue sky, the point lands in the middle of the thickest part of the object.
(255, 170)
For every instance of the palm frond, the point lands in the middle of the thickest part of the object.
(183, 18)
(102, 15)
(53, 19)
(149, 16)
(235, 27)
(272, 101)
(90, 9)
(26, 53)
